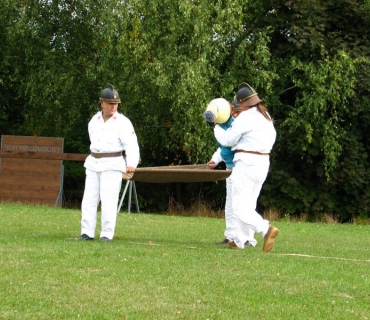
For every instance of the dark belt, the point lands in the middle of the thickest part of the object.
(106, 154)
(254, 152)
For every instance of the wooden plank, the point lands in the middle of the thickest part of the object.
(31, 164)
(43, 155)
(33, 141)
(29, 175)
(30, 200)
(31, 183)
(16, 163)
(27, 196)
(36, 184)
(47, 194)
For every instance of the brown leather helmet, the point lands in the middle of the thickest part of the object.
(247, 93)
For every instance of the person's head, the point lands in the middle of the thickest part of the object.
(248, 98)
(218, 111)
(109, 100)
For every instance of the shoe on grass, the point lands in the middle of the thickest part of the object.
(225, 241)
(85, 237)
(105, 239)
(269, 241)
(232, 245)
(247, 244)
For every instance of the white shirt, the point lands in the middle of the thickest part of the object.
(250, 131)
(116, 134)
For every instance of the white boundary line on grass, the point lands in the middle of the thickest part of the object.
(278, 254)
(319, 257)
(157, 244)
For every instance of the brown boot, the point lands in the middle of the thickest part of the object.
(232, 245)
(270, 236)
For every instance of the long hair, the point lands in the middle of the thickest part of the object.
(261, 108)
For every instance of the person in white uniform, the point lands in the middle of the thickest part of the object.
(252, 136)
(220, 111)
(111, 133)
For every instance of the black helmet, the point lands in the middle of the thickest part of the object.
(235, 104)
(246, 92)
(110, 95)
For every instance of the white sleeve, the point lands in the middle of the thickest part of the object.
(216, 157)
(130, 144)
(229, 137)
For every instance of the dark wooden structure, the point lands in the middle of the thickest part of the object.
(30, 179)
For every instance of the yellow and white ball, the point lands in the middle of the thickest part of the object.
(218, 111)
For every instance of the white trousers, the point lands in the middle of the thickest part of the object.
(105, 187)
(231, 219)
(248, 176)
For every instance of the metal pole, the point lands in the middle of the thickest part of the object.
(137, 202)
(129, 198)
(123, 196)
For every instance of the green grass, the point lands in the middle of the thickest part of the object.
(168, 267)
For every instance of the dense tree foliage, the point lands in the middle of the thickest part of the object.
(308, 59)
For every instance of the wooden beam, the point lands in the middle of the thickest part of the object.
(43, 155)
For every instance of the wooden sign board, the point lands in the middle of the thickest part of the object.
(37, 181)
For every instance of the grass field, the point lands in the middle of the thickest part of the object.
(170, 267)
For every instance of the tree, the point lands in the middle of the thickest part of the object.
(168, 59)
(320, 103)
(11, 98)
